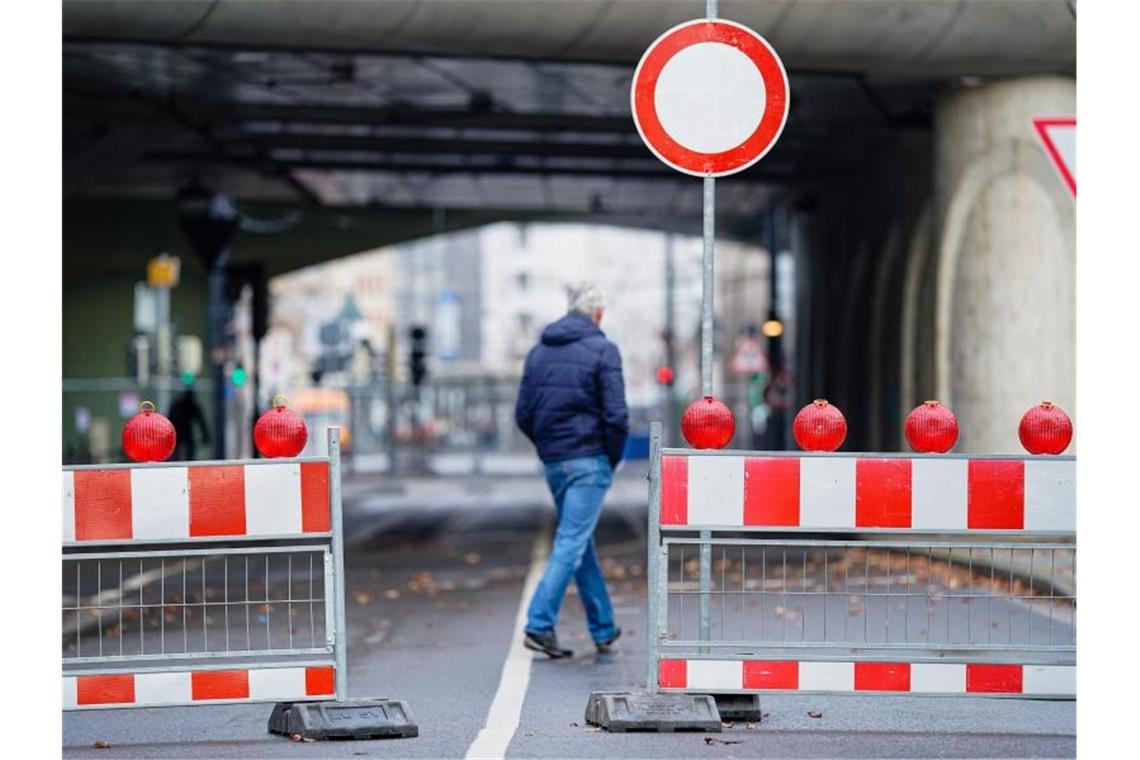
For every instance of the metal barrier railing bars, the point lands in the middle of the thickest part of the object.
(855, 573)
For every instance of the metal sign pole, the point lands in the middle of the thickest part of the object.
(707, 364)
(707, 288)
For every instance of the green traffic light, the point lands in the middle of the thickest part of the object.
(238, 377)
(187, 378)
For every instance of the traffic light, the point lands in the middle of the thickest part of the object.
(417, 363)
(238, 376)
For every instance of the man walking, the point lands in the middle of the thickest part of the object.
(571, 404)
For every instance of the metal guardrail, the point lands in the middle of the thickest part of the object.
(203, 582)
(773, 571)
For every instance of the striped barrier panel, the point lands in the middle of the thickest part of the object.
(160, 502)
(861, 492)
(187, 687)
(951, 574)
(822, 677)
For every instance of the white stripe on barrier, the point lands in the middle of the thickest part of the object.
(162, 688)
(273, 499)
(1050, 495)
(160, 503)
(939, 493)
(827, 492)
(716, 487)
(715, 674)
(938, 678)
(68, 506)
(70, 701)
(827, 676)
(274, 683)
(1049, 679)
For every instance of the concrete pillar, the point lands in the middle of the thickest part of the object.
(1005, 306)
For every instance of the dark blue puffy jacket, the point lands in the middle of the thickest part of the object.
(572, 399)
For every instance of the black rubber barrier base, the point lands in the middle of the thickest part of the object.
(744, 707)
(620, 712)
(349, 719)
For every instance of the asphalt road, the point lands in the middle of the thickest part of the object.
(434, 585)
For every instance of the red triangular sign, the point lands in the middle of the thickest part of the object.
(748, 358)
(1059, 137)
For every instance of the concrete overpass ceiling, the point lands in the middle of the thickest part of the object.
(521, 108)
(916, 38)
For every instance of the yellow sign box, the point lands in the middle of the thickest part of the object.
(162, 271)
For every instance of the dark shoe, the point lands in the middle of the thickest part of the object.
(605, 646)
(547, 643)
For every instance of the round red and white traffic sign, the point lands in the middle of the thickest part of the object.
(710, 97)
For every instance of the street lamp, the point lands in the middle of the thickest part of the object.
(773, 327)
(209, 221)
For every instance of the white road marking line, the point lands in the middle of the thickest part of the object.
(503, 717)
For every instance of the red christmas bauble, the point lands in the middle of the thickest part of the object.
(1045, 429)
(280, 432)
(708, 424)
(931, 428)
(148, 436)
(664, 375)
(819, 426)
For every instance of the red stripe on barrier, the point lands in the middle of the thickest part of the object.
(319, 681)
(105, 690)
(673, 674)
(674, 490)
(772, 491)
(882, 493)
(882, 676)
(314, 497)
(996, 495)
(1000, 679)
(760, 674)
(102, 505)
(219, 684)
(217, 500)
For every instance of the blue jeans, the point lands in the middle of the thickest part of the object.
(578, 486)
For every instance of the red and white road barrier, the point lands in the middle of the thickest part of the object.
(195, 501)
(726, 676)
(852, 491)
(733, 539)
(153, 623)
(192, 687)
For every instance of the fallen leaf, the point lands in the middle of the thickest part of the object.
(750, 726)
(727, 724)
(594, 729)
(763, 715)
(471, 558)
(362, 597)
(102, 744)
(815, 714)
(573, 725)
(392, 594)
(296, 737)
(713, 740)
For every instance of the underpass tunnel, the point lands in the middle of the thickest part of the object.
(931, 241)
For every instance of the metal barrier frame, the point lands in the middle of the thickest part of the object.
(1050, 680)
(173, 665)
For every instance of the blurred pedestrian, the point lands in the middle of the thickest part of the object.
(185, 414)
(571, 405)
